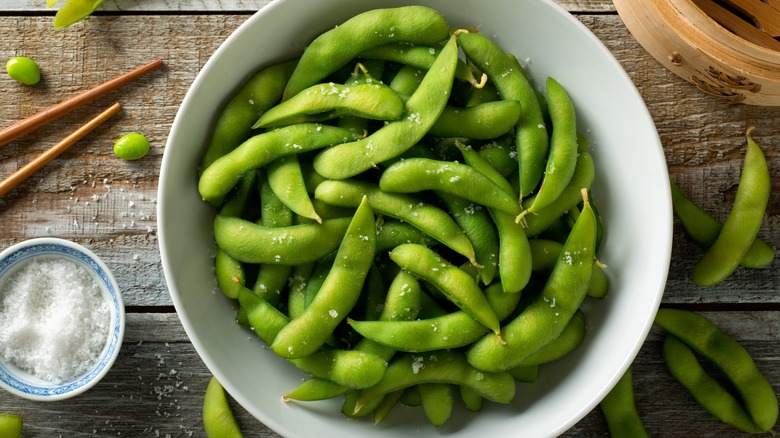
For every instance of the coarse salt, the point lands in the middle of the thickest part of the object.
(53, 319)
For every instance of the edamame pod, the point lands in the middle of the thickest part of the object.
(458, 286)
(743, 223)
(218, 419)
(706, 339)
(419, 174)
(339, 292)
(391, 233)
(11, 425)
(229, 271)
(514, 252)
(562, 156)
(531, 133)
(322, 102)
(234, 124)
(704, 230)
(437, 402)
(252, 243)
(350, 368)
(315, 389)
(286, 180)
(565, 343)
(437, 367)
(422, 109)
(271, 277)
(480, 122)
(452, 330)
(619, 409)
(418, 57)
(225, 172)
(706, 390)
(334, 48)
(432, 220)
(544, 319)
(544, 254)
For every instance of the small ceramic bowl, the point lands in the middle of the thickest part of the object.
(27, 385)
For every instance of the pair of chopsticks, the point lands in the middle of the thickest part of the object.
(53, 112)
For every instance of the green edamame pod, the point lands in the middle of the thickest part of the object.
(584, 173)
(437, 402)
(225, 172)
(562, 158)
(565, 343)
(252, 243)
(743, 223)
(263, 318)
(11, 425)
(296, 293)
(406, 81)
(544, 319)
(315, 389)
(514, 252)
(510, 81)
(480, 122)
(471, 399)
(440, 367)
(523, 373)
(419, 174)
(706, 390)
(501, 154)
(350, 368)
(704, 230)
(485, 94)
(321, 102)
(478, 227)
(544, 254)
(229, 271)
(448, 331)
(234, 124)
(619, 409)
(431, 220)
(377, 27)
(417, 56)
(391, 233)
(218, 419)
(286, 180)
(271, 278)
(338, 294)
(458, 286)
(388, 403)
(422, 109)
(707, 340)
(75, 10)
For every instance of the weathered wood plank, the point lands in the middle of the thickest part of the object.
(248, 6)
(157, 384)
(92, 197)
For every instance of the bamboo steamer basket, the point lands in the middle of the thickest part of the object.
(728, 52)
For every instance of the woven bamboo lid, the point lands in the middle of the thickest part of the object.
(726, 48)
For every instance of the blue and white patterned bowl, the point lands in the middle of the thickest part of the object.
(21, 382)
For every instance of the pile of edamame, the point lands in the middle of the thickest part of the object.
(402, 223)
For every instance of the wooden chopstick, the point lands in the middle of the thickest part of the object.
(41, 160)
(35, 121)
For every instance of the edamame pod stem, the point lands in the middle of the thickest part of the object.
(458, 286)
(708, 392)
(321, 102)
(704, 229)
(449, 331)
(234, 124)
(408, 370)
(743, 223)
(481, 122)
(562, 158)
(532, 140)
(431, 220)
(619, 409)
(584, 173)
(252, 243)
(544, 319)
(217, 179)
(418, 174)
(334, 48)
(706, 339)
(340, 291)
(422, 109)
(286, 180)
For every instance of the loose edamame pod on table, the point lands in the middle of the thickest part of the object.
(335, 47)
(731, 359)
(10, 425)
(704, 230)
(619, 409)
(23, 70)
(743, 223)
(218, 419)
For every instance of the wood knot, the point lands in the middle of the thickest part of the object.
(675, 58)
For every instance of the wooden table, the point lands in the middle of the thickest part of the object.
(87, 195)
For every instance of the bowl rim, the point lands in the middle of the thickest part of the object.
(58, 247)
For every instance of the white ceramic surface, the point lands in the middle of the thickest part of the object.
(24, 384)
(631, 189)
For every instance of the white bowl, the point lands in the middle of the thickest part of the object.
(632, 190)
(25, 384)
